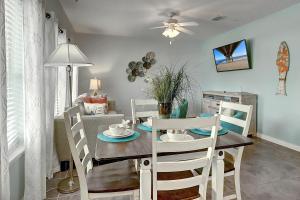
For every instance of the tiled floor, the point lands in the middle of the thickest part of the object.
(268, 171)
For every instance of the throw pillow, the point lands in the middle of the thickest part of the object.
(95, 108)
(99, 100)
(87, 99)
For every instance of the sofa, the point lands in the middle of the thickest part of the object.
(93, 124)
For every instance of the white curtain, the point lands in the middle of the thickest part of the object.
(4, 162)
(35, 140)
(50, 43)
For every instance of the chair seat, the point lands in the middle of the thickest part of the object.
(228, 166)
(182, 194)
(115, 177)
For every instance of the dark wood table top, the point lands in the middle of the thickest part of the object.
(142, 147)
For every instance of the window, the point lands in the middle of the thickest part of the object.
(15, 72)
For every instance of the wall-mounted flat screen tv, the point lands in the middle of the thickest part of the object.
(232, 57)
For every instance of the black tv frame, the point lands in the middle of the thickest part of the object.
(248, 56)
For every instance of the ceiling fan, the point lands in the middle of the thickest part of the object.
(173, 27)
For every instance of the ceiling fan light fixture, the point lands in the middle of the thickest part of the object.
(170, 33)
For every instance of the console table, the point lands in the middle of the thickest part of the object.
(211, 101)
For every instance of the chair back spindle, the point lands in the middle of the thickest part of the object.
(238, 121)
(135, 103)
(188, 164)
(78, 146)
(245, 110)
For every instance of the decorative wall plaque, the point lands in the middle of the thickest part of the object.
(283, 63)
(139, 68)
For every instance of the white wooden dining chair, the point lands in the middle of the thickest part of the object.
(135, 103)
(117, 179)
(236, 153)
(176, 179)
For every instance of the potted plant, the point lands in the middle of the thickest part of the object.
(169, 85)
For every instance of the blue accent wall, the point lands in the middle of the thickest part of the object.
(278, 116)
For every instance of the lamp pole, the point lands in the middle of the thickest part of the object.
(70, 184)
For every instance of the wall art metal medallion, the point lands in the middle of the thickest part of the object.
(140, 68)
(283, 63)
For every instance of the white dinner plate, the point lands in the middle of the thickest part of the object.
(127, 133)
(180, 137)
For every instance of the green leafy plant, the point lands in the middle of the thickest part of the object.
(169, 85)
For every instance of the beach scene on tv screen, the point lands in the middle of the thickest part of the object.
(231, 57)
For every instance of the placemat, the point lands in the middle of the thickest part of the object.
(104, 138)
(144, 127)
(208, 133)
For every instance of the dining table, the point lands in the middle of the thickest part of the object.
(140, 150)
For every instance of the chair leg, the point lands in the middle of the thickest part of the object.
(202, 192)
(135, 195)
(237, 184)
(131, 197)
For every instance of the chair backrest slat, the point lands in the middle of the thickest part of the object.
(77, 146)
(144, 102)
(146, 114)
(86, 162)
(76, 128)
(182, 165)
(181, 124)
(206, 145)
(234, 121)
(80, 145)
(235, 106)
(179, 183)
(184, 146)
(244, 123)
(141, 103)
(73, 111)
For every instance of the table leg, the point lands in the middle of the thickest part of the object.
(218, 175)
(145, 179)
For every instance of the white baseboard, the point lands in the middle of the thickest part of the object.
(279, 142)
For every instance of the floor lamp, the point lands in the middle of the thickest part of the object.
(68, 55)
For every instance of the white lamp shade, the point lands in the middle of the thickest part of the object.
(67, 54)
(95, 84)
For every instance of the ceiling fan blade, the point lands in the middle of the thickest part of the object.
(157, 27)
(184, 30)
(188, 24)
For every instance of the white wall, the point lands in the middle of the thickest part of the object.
(111, 55)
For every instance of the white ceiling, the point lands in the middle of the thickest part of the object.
(135, 17)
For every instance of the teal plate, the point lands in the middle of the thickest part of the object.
(104, 138)
(208, 133)
(144, 128)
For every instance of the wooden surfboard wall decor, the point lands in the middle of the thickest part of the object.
(283, 64)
